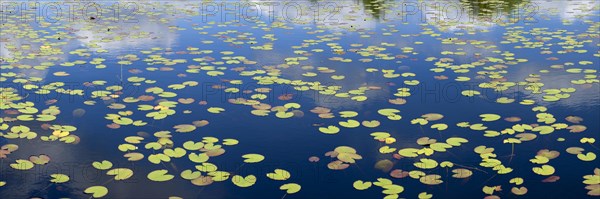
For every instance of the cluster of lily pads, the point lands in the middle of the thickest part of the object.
(41, 50)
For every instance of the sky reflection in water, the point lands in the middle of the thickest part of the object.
(411, 44)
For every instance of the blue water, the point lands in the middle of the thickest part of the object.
(288, 143)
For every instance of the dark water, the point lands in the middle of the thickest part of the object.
(538, 48)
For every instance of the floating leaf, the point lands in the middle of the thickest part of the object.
(489, 117)
(96, 191)
(160, 175)
(243, 181)
(184, 128)
(104, 165)
(589, 156)
(59, 178)
(279, 174)
(462, 173)
(545, 170)
(203, 181)
(329, 129)
(431, 179)
(22, 164)
(253, 158)
(360, 185)
(120, 173)
(290, 188)
(519, 190)
(40, 160)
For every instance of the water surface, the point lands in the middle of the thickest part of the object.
(283, 78)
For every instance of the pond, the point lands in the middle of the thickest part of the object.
(300, 99)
